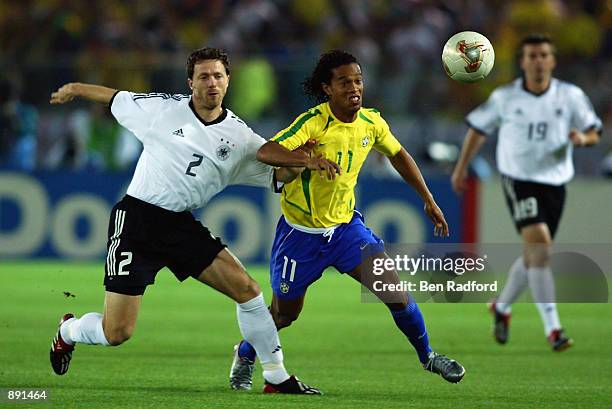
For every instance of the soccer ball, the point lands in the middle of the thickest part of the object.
(468, 56)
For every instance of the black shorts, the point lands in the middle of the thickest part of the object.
(144, 238)
(532, 203)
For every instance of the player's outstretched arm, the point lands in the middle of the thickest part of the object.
(287, 175)
(408, 169)
(274, 154)
(91, 92)
(471, 145)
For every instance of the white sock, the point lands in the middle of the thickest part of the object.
(517, 281)
(550, 316)
(542, 287)
(258, 329)
(86, 330)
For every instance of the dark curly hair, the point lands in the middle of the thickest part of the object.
(207, 53)
(322, 73)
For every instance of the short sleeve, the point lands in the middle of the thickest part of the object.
(385, 142)
(583, 114)
(486, 117)
(301, 130)
(136, 111)
(252, 172)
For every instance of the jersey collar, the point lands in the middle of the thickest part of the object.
(337, 121)
(219, 119)
(524, 86)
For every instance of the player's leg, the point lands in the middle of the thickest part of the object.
(536, 210)
(409, 320)
(403, 309)
(257, 327)
(518, 196)
(120, 314)
(357, 247)
(501, 308)
(126, 277)
(228, 276)
(514, 287)
(537, 243)
(284, 312)
(522, 201)
(294, 265)
(195, 252)
(114, 327)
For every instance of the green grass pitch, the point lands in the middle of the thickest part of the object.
(180, 353)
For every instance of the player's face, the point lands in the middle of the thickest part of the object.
(538, 61)
(346, 88)
(209, 83)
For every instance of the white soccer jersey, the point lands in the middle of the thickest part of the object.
(533, 130)
(186, 161)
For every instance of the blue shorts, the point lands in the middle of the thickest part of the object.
(299, 258)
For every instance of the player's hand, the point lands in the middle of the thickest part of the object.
(437, 217)
(459, 180)
(577, 138)
(308, 147)
(322, 165)
(65, 93)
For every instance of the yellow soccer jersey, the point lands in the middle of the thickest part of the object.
(314, 201)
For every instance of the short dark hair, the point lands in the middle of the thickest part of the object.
(322, 73)
(535, 38)
(207, 53)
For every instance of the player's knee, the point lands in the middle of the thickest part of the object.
(396, 306)
(245, 289)
(285, 319)
(252, 289)
(540, 260)
(118, 335)
(537, 255)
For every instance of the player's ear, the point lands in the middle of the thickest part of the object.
(326, 89)
(190, 83)
(521, 62)
(554, 61)
(520, 57)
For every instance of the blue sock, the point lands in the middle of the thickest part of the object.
(410, 322)
(246, 350)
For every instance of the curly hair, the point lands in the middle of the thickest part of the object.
(322, 73)
(207, 53)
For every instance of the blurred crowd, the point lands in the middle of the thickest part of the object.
(273, 44)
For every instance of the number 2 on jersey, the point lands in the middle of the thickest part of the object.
(193, 164)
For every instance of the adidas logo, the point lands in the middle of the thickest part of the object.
(179, 132)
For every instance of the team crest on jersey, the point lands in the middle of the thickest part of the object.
(284, 287)
(365, 141)
(223, 152)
